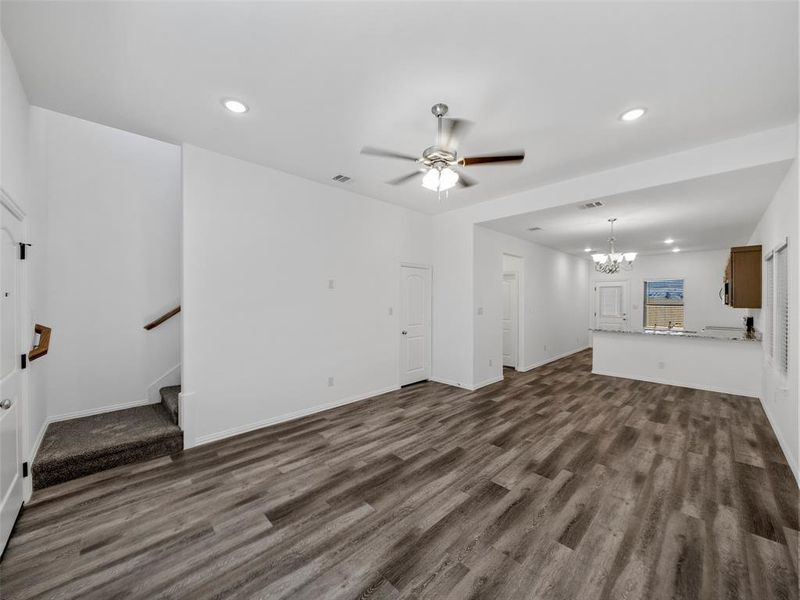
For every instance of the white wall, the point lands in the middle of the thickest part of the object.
(452, 287)
(262, 330)
(555, 296)
(702, 273)
(113, 262)
(780, 394)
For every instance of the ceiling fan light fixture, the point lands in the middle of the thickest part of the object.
(440, 180)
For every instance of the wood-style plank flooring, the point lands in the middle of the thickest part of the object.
(555, 484)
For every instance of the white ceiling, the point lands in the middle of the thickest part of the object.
(325, 79)
(718, 211)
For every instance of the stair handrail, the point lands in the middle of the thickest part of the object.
(43, 346)
(166, 316)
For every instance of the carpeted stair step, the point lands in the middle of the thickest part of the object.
(79, 447)
(169, 398)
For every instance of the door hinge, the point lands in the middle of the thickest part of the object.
(25, 469)
(23, 361)
(22, 246)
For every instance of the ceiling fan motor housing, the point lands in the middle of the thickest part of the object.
(436, 154)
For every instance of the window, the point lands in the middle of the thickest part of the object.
(781, 335)
(663, 303)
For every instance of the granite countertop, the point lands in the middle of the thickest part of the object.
(730, 334)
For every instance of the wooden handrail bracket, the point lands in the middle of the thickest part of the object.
(162, 318)
(43, 346)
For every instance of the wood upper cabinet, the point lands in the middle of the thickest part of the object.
(743, 277)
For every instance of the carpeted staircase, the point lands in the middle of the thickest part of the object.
(78, 447)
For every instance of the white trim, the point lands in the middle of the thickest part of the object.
(695, 386)
(782, 442)
(221, 435)
(98, 411)
(541, 363)
(450, 382)
(171, 377)
(486, 382)
(33, 453)
(14, 208)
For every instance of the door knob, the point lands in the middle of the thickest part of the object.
(5, 404)
(404, 332)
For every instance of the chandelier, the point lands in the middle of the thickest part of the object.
(614, 261)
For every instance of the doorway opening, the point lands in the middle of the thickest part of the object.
(512, 313)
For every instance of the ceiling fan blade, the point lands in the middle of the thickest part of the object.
(387, 153)
(515, 156)
(465, 181)
(453, 131)
(405, 178)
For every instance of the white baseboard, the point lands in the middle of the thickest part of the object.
(98, 411)
(782, 442)
(541, 363)
(221, 435)
(171, 377)
(486, 382)
(450, 383)
(694, 386)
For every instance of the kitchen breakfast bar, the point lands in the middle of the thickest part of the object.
(715, 359)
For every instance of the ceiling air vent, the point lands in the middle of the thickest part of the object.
(341, 178)
(596, 204)
(534, 228)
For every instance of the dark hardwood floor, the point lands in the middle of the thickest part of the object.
(552, 484)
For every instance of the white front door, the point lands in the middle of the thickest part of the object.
(611, 305)
(415, 324)
(10, 376)
(510, 319)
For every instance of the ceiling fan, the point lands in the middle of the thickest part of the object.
(437, 163)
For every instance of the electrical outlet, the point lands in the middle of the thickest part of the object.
(545, 347)
(330, 381)
(491, 362)
(661, 364)
(480, 310)
(331, 284)
(391, 311)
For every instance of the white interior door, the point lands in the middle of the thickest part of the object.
(415, 324)
(611, 305)
(10, 376)
(510, 319)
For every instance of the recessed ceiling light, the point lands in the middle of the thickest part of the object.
(668, 241)
(587, 249)
(235, 106)
(633, 114)
(676, 249)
